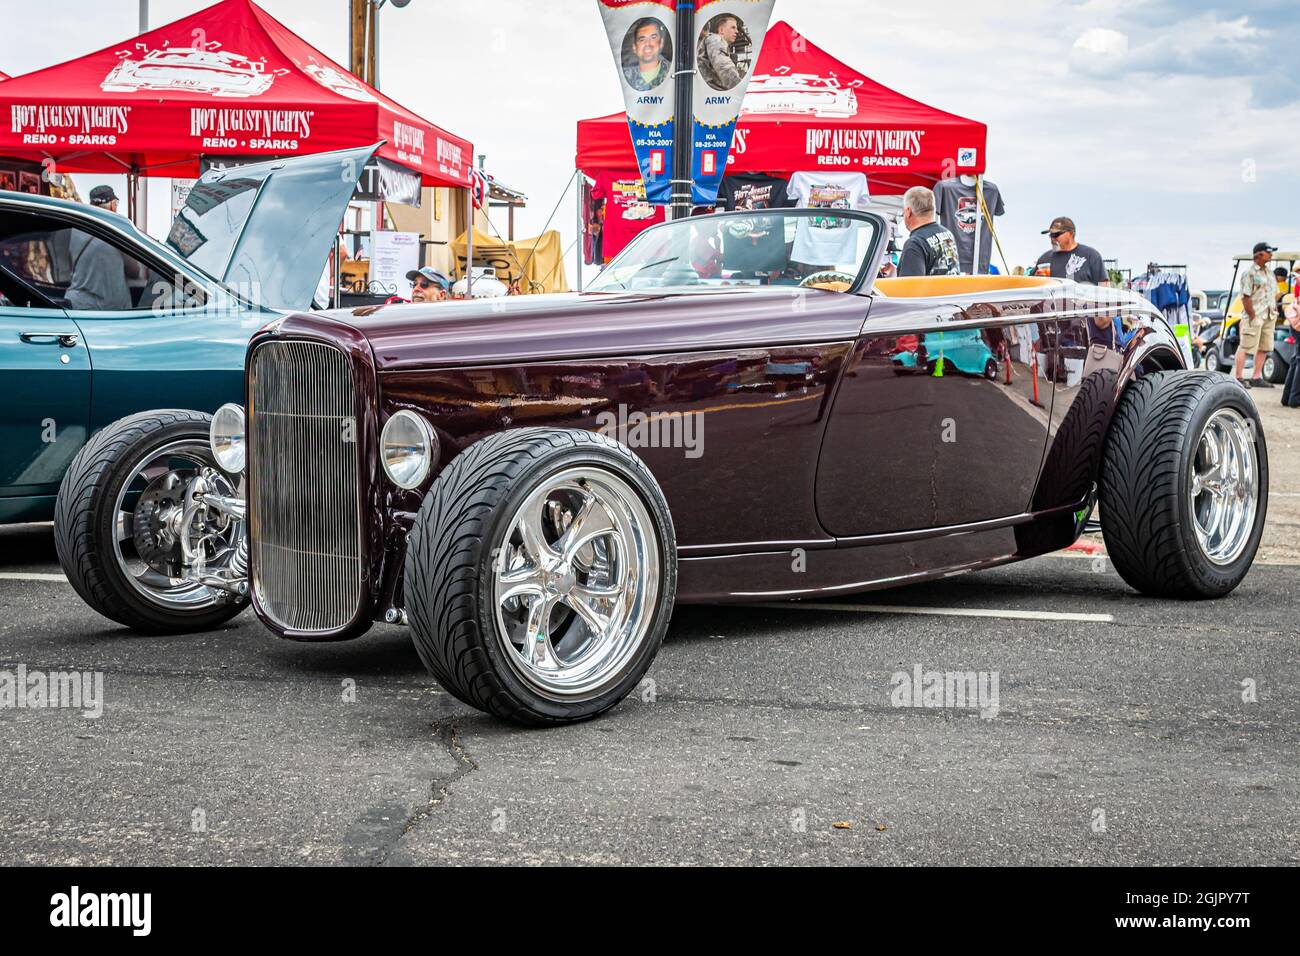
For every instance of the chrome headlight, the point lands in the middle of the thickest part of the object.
(407, 448)
(226, 436)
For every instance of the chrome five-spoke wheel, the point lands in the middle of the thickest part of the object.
(575, 580)
(1224, 486)
(540, 574)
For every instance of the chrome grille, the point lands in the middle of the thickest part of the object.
(303, 489)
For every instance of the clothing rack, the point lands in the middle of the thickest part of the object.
(1168, 288)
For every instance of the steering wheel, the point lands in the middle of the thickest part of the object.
(830, 279)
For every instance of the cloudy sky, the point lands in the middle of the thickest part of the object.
(1170, 131)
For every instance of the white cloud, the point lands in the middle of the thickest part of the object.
(1101, 42)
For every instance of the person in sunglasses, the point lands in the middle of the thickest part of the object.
(1068, 258)
(428, 285)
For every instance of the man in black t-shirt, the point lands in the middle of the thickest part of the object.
(931, 249)
(1068, 259)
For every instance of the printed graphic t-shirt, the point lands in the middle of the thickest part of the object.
(827, 240)
(931, 250)
(1082, 264)
(626, 211)
(1258, 285)
(957, 207)
(753, 244)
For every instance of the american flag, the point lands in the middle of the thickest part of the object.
(480, 188)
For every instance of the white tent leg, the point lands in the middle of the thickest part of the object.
(582, 231)
(469, 242)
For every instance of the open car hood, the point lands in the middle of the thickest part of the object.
(265, 230)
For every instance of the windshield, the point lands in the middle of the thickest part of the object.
(790, 247)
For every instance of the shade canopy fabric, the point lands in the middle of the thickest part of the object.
(540, 261)
(806, 110)
(227, 80)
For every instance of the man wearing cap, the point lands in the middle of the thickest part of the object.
(428, 285)
(1259, 308)
(1070, 259)
(98, 269)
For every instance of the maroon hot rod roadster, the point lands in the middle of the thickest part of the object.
(531, 484)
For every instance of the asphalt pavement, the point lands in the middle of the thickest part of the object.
(1125, 731)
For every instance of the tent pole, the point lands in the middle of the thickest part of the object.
(469, 243)
(979, 228)
(336, 269)
(582, 232)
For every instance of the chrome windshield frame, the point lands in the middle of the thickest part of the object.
(862, 281)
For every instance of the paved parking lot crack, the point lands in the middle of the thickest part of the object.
(448, 735)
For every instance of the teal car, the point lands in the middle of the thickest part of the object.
(249, 242)
(962, 350)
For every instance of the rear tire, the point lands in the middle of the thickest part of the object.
(1210, 360)
(1174, 525)
(492, 525)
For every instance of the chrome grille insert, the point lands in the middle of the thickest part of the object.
(303, 489)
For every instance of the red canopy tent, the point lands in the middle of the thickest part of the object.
(228, 80)
(806, 110)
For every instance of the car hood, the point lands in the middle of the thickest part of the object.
(266, 230)
(572, 325)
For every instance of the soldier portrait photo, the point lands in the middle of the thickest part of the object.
(647, 54)
(724, 53)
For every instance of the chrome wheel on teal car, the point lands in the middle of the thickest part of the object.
(160, 520)
(149, 530)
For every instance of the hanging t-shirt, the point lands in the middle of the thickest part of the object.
(753, 244)
(626, 211)
(827, 240)
(957, 207)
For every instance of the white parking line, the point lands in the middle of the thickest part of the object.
(30, 576)
(948, 611)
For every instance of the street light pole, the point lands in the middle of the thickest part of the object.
(683, 109)
(371, 15)
(358, 16)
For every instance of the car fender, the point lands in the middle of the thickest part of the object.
(1081, 425)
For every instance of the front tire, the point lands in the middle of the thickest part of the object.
(1274, 371)
(1184, 485)
(540, 575)
(1210, 360)
(114, 524)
